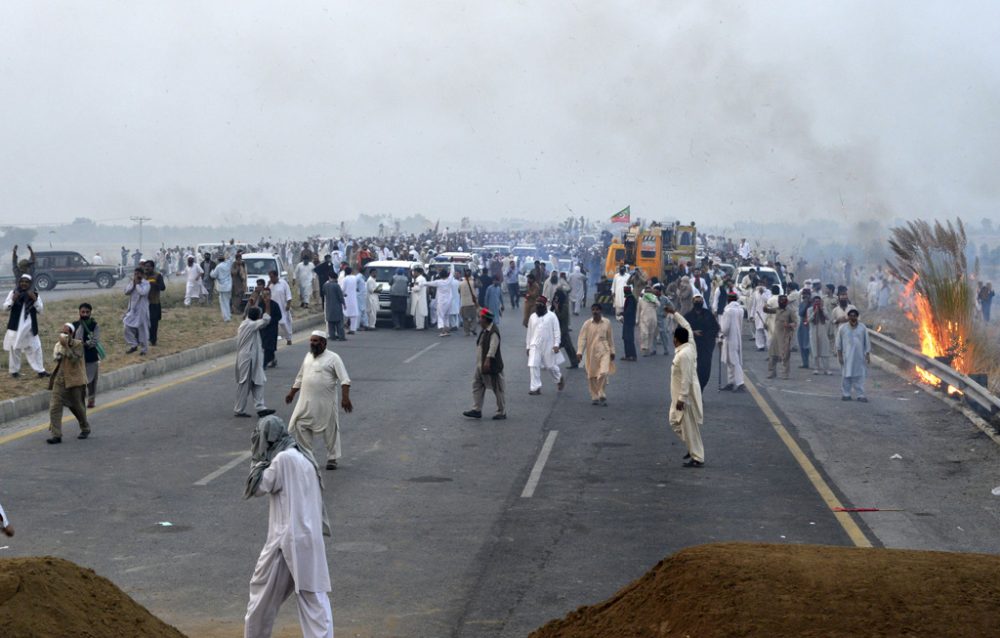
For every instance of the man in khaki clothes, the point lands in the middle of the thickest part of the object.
(595, 347)
(68, 384)
(686, 413)
(785, 320)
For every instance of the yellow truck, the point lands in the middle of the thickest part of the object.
(656, 249)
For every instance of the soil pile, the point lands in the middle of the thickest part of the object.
(51, 597)
(736, 589)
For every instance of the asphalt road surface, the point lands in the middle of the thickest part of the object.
(439, 528)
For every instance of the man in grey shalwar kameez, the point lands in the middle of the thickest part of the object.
(854, 351)
(136, 319)
(293, 558)
(250, 377)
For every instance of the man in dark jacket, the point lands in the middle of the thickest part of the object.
(335, 305)
(323, 272)
(560, 305)
(269, 334)
(706, 330)
(156, 286)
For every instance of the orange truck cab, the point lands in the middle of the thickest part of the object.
(656, 250)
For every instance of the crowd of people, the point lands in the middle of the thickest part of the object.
(686, 313)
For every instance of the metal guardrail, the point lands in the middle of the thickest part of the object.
(973, 392)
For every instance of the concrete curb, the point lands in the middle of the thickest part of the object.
(12, 409)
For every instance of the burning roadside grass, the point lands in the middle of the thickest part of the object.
(939, 300)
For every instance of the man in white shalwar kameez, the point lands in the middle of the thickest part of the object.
(542, 343)
(250, 377)
(686, 412)
(418, 299)
(194, 287)
(577, 289)
(322, 373)
(618, 289)
(136, 317)
(21, 338)
(304, 275)
(854, 351)
(293, 558)
(731, 337)
(443, 302)
(352, 312)
(281, 294)
(371, 285)
(758, 301)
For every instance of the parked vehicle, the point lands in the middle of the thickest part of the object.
(384, 272)
(258, 266)
(54, 267)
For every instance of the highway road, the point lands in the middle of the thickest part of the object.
(438, 527)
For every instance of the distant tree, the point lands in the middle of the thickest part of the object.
(987, 225)
(16, 236)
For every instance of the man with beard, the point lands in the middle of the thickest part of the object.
(854, 351)
(321, 375)
(21, 338)
(705, 328)
(542, 345)
(731, 334)
(618, 289)
(89, 333)
(780, 350)
(250, 377)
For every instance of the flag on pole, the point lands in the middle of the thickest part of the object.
(622, 216)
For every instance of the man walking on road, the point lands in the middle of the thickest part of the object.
(686, 412)
(785, 321)
(281, 294)
(250, 377)
(194, 287)
(321, 374)
(542, 344)
(68, 385)
(489, 369)
(293, 558)
(731, 334)
(560, 306)
(87, 331)
(854, 351)
(595, 347)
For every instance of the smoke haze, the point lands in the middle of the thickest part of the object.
(218, 112)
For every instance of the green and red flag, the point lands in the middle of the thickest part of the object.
(622, 216)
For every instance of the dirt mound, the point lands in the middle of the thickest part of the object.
(798, 590)
(43, 597)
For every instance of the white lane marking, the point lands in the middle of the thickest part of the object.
(536, 472)
(225, 468)
(433, 345)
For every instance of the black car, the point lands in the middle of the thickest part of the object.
(53, 267)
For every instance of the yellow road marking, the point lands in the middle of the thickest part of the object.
(853, 531)
(132, 397)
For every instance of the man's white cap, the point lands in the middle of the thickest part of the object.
(71, 327)
(319, 333)
(26, 276)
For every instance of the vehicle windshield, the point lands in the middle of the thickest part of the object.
(260, 266)
(383, 274)
(767, 278)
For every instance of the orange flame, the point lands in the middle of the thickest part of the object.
(933, 337)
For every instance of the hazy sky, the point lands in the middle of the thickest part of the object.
(195, 111)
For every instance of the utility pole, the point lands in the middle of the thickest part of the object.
(140, 219)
